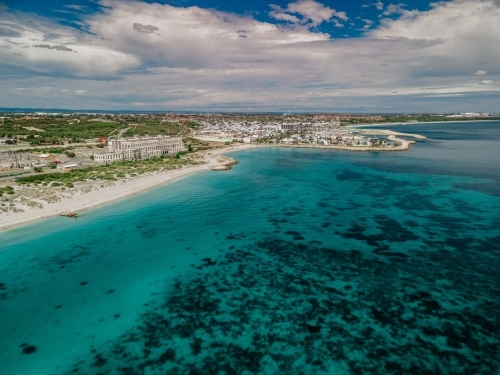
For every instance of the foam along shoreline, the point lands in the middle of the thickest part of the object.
(100, 196)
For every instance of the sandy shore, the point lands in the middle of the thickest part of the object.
(100, 196)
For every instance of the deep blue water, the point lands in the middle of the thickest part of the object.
(295, 261)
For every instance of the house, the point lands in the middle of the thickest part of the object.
(67, 167)
(247, 139)
(47, 158)
(102, 140)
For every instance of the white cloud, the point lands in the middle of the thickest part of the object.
(394, 9)
(368, 24)
(379, 5)
(480, 73)
(209, 59)
(312, 13)
(80, 8)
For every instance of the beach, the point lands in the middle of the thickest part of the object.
(100, 195)
(97, 194)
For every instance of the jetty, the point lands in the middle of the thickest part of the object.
(71, 215)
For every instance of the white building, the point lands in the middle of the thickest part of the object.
(140, 148)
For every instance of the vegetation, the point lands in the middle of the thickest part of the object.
(6, 190)
(111, 172)
(153, 128)
(55, 130)
(194, 145)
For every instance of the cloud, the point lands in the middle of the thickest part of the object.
(206, 64)
(394, 9)
(80, 8)
(51, 36)
(480, 73)
(486, 82)
(311, 12)
(379, 5)
(9, 33)
(146, 29)
(368, 24)
(57, 48)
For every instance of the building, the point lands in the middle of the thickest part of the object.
(140, 148)
(67, 167)
(47, 158)
(102, 140)
(288, 127)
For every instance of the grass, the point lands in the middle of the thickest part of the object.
(111, 172)
(154, 128)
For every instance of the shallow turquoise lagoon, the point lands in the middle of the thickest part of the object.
(295, 261)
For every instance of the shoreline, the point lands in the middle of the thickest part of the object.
(99, 197)
(413, 123)
(83, 202)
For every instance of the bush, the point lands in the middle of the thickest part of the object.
(69, 154)
(38, 169)
(69, 185)
(52, 165)
(56, 184)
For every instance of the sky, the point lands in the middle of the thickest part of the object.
(261, 56)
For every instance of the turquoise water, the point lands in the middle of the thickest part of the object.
(295, 261)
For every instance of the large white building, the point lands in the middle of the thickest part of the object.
(140, 148)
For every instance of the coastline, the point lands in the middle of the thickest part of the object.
(81, 202)
(109, 194)
(412, 123)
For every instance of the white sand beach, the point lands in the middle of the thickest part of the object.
(99, 196)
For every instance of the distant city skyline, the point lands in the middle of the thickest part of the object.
(267, 56)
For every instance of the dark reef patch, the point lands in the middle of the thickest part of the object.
(264, 306)
(30, 349)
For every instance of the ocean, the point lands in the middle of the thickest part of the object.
(296, 261)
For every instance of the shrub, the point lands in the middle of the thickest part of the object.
(56, 184)
(37, 169)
